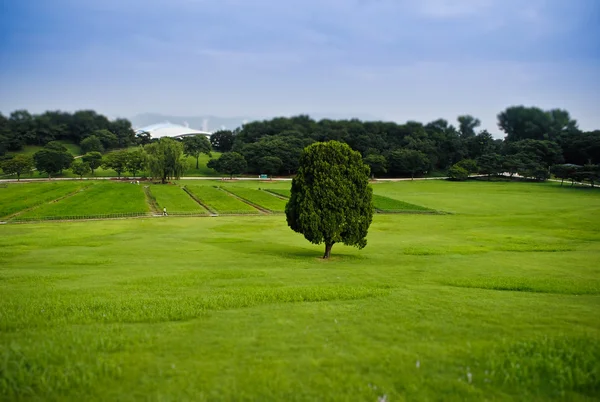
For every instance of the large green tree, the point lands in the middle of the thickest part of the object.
(331, 200)
(408, 161)
(94, 159)
(165, 159)
(18, 165)
(377, 164)
(80, 168)
(52, 161)
(229, 163)
(92, 144)
(137, 161)
(196, 145)
(222, 140)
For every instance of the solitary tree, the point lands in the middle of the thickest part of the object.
(80, 168)
(331, 201)
(94, 159)
(18, 165)
(116, 161)
(222, 140)
(165, 159)
(229, 163)
(196, 145)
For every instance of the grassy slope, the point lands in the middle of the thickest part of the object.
(219, 200)
(174, 199)
(20, 196)
(243, 308)
(384, 203)
(101, 198)
(259, 197)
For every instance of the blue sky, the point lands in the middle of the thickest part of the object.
(393, 60)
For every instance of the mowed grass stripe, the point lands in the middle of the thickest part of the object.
(19, 197)
(387, 204)
(99, 199)
(175, 199)
(220, 200)
(281, 192)
(259, 197)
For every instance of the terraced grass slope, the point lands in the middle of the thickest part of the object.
(100, 199)
(283, 192)
(219, 200)
(175, 199)
(387, 204)
(259, 197)
(491, 303)
(21, 196)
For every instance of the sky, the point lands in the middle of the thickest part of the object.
(379, 59)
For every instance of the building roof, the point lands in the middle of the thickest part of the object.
(167, 129)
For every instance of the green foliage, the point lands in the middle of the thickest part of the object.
(91, 144)
(377, 164)
(222, 140)
(229, 163)
(108, 139)
(137, 161)
(80, 168)
(18, 165)
(56, 146)
(331, 201)
(469, 165)
(116, 161)
(458, 173)
(522, 123)
(269, 165)
(52, 160)
(94, 159)
(196, 145)
(165, 159)
(408, 162)
(490, 164)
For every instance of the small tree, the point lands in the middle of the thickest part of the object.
(196, 145)
(563, 172)
(222, 140)
(229, 163)
(116, 161)
(331, 200)
(94, 159)
(80, 168)
(469, 165)
(91, 144)
(165, 159)
(377, 164)
(18, 165)
(458, 173)
(408, 161)
(136, 161)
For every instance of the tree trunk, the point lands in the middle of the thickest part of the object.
(18, 176)
(412, 175)
(197, 157)
(328, 247)
(562, 181)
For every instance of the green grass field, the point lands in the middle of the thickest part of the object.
(259, 197)
(282, 192)
(21, 196)
(98, 199)
(175, 199)
(498, 301)
(219, 200)
(387, 204)
(74, 149)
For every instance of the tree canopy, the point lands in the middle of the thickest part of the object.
(165, 159)
(18, 165)
(229, 163)
(331, 200)
(196, 145)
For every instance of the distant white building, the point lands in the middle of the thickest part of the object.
(167, 129)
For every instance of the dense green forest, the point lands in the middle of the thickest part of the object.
(536, 143)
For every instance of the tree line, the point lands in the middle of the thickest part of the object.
(536, 143)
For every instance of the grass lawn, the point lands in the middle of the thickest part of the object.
(20, 196)
(73, 148)
(498, 301)
(175, 199)
(259, 197)
(219, 200)
(98, 199)
(387, 204)
(202, 170)
(283, 192)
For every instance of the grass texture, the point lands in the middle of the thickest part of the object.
(175, 199)
(220, 200)
(497, 301)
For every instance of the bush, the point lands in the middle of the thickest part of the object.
(458, 173)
